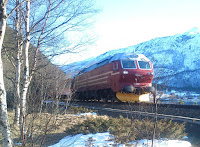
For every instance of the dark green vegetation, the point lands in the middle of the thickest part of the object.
(126, 130)
(80, 109)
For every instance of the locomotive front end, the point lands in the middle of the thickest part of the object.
(136, 78)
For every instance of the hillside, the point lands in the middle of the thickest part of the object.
(175, 58)
(46, 75)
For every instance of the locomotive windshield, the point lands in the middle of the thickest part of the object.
(144, 65)
(128, 64)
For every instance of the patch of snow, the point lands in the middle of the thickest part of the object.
(62, 103)
(54, 102)
(185, 137)
(105, 139)
(80, 140)
(89, 113)
(47, 101)
(193, 31)
(19, 143)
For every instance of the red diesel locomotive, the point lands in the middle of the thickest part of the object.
(127, 77)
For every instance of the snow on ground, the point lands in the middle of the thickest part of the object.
(86, 114)
(105, 139)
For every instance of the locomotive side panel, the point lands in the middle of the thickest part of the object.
(96, 79)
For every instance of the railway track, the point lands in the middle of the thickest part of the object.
(190, 114)
(178, 118)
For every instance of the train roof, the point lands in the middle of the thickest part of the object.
(130, 56)
(119, 56)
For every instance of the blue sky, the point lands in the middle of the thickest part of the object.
(123, 23)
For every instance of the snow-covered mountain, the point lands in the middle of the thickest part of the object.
(176, 59)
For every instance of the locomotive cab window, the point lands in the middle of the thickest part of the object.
(129, 64)
(144, 65)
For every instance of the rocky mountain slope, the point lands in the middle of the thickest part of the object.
(176, 59)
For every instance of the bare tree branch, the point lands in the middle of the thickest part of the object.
(8, 15)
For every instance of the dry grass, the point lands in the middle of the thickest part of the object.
(45, 126)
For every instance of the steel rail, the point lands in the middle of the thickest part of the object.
(175, 117)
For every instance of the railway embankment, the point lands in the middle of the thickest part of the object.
(192, 111)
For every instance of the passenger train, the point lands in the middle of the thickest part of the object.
(123, 77)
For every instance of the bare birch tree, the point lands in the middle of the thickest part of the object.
(43, 29)
(18, 61)
(4, 123)
(26, 79)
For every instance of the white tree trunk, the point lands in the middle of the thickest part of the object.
(18, 67)
(26, 77)
(4, 123)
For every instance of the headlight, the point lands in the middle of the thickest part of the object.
(125, 72)
(150, 73)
